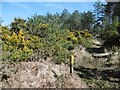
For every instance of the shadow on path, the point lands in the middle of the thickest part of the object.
(95, 50)
(95, 73)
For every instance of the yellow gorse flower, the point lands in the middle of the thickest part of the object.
(14, 36)
(72, 36)
(25, 48)
(16, 44)
(20, 32)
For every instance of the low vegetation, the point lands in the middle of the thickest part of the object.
(55, 43)
(57, 35)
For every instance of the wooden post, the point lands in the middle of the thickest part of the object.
(71, 64)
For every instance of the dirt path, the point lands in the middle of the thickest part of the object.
(97, 67)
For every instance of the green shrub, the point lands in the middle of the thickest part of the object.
(35, 42)
(21, 54)
(60, 54)
(18, 24)
(111, 38)
(86, 42)
(36, 27)
(16, 44)
(56, 43)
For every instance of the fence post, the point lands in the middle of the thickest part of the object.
(72, 64)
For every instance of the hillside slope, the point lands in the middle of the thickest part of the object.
(98, 67)
(38, 75)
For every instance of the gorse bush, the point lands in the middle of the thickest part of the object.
(38, 30)
(16, 45)
(18, 24)
(35, 42)
(56, 44)
(23, 38)
(15, 40)
(71, 37)
(82, 37)
(35, 26)
(85, 38)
